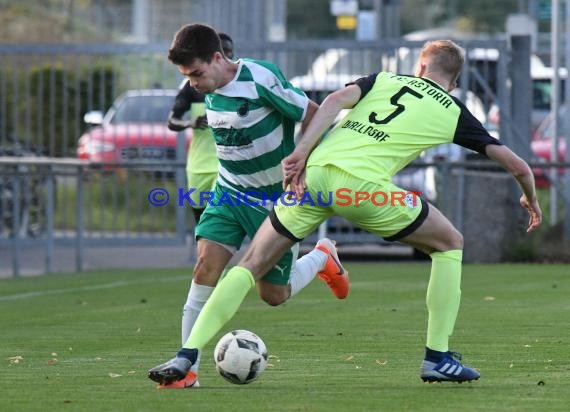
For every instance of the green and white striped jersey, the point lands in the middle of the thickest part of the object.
(253, 119)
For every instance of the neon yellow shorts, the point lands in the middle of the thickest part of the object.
(380, 207)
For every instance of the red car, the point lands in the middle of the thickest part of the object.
(134, 129)
(541, 146)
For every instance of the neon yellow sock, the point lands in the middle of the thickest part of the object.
(220, 307)
(443, 297)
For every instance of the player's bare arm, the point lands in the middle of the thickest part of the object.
(311, 110)
(294, 164)
(344, 98)
(524, 177)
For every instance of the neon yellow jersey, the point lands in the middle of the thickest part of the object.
(202, 156)
(396, 119)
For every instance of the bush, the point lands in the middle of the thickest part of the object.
(62, 99)
(45, 105)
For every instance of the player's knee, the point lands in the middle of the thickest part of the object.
(456, 240)
(205, 272)
(273, 297)
(272, 301)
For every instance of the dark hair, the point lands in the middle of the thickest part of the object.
(194, 41)
(227, 44)
(225, 37)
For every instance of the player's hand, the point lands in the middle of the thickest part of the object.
(200, 122)
(293, 167)
(534, 211)
(300, 186)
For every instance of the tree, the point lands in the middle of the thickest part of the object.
(311, 20)
(482, 16)
(487, 16)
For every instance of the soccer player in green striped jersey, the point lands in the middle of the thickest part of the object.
(202, 161)
(393, 118)
(252, 110)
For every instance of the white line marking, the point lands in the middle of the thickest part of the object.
(89, 288)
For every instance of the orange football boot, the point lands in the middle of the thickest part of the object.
(333, 273)
(189, 381)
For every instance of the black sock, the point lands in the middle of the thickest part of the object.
(190, 354)
(434, 356)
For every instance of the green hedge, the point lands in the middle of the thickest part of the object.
(44, 106)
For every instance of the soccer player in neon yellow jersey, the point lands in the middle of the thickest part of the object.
(252, 110)
(393, 119)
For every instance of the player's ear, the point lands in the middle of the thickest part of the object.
(420, 69)
(217, 57)
(452, 85)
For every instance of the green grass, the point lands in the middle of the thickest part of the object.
(87, 340)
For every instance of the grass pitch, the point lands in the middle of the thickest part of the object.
(84, 342)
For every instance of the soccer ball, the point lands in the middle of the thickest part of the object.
(240, 356)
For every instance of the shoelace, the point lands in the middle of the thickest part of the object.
(455, 356)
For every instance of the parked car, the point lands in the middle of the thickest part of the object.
(541, 145)
(542, 91)
(541, 76)
(335, 67)
(133, 130)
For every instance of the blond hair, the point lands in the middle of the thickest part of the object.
(444, 57)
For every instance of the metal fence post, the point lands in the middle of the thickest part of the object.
(16, 201)
(49, 218)
(521, 109)
(567, 133)
(79, 245)
(521, 97)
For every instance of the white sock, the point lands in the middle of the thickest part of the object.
(197, 297)
(305, 269)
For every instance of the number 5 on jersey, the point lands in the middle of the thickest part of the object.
(399, 107)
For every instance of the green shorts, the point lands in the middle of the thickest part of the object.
(380, 207)
(201, 182)
(229, 222)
